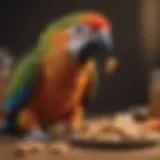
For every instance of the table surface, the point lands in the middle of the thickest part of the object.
(7, 148)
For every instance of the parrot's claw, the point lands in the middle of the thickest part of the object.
(38, 135)
(72, 133)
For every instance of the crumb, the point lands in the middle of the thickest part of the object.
(93, 136)
(59, 148)
(84, 128)
(21, 150)
(106, 128)
(37, 147)
(110, 137)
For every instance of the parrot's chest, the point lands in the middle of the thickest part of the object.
(57, 91)
(61, 87)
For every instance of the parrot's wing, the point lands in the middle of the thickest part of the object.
(23, 80)
(20, 90)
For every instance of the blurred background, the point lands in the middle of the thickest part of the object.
(136, 32)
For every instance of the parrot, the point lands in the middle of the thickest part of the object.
(50, 81)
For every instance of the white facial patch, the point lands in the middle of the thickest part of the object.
(75, 46)
(80, 35)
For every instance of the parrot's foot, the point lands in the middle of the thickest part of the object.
(34, 141)
(23, 148)
(38, 135)
(72, 133)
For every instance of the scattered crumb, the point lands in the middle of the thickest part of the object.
(106, 128)
(21, 150)
(109, 136)
(58, 148)
(37, 147)
(84, 129)
(121, 127)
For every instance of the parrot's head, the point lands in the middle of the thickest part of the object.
(82, 35)
(89, 36)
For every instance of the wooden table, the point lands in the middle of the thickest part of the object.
(6, 153)
(7, 145)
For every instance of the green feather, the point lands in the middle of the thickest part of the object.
(22, 72)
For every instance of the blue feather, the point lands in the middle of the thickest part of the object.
(14, 103)
(21, 95)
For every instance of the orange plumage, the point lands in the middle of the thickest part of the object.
(62, 81)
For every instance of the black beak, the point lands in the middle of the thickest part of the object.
(100, 44)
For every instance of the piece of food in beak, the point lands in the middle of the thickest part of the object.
(111, 64)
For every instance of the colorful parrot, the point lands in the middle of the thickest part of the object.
(49, 83)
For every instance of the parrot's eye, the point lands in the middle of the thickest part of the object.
(80, 30)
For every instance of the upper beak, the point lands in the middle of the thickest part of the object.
(104, 39)
(101, 44)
